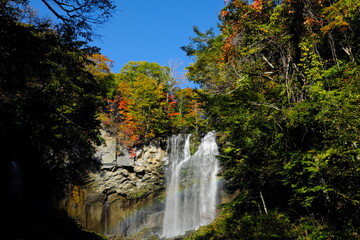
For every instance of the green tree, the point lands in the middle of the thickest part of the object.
(143, 106)
(286, 117)
(190, 112)
(100, 67)
(48, 124)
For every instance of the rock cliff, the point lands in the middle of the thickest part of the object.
(125, 195)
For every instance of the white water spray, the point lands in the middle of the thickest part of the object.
(192, 187)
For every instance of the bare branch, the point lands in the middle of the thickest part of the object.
(267, 61)
(266, 105)
(54, 12)
(81, 15)
(263, 202)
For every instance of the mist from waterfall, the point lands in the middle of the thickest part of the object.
(192, 189)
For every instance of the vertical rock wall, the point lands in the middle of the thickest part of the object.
(125, 195)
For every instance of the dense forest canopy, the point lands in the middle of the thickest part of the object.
(148, 104)
(281, 86)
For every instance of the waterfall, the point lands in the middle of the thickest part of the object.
(192, 186)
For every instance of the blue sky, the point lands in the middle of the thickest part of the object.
(152, 30)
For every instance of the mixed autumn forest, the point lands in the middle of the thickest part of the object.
(280, 85)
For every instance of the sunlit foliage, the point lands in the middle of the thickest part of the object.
(281, 83)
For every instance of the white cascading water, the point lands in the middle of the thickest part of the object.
(192, 186)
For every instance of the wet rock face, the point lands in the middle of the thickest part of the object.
(126, 189)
